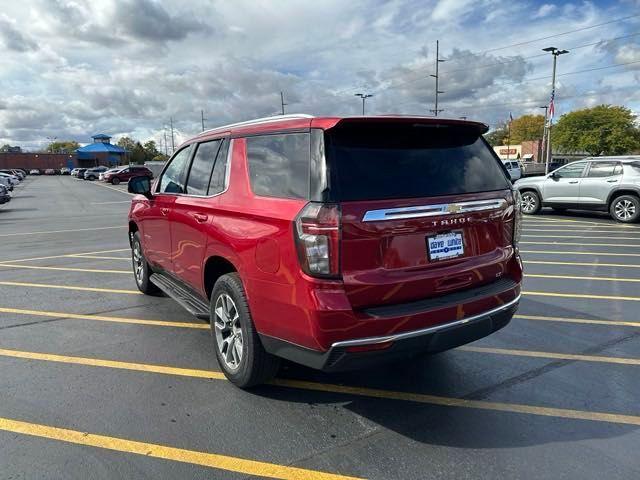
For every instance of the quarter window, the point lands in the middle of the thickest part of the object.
(279, 165)
(172, 180)
(201, 167)
(573, 170)
(604, 169)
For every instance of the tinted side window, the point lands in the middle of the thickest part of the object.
(216, 185)
(603, 169)
(573, 170)
(201, 167)
(279, 165)
(172, 180)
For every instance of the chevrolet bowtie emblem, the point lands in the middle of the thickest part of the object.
(454, 208)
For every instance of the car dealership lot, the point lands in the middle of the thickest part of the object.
(97, 380)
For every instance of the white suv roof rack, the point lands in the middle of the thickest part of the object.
(258, 121)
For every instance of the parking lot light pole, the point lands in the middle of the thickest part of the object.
(555, 52)
(363, 96)
(544, 132)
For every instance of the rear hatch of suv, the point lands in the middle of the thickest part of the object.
(427, 209)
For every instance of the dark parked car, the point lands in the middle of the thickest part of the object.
(337, 243)
(127, 173)
(5, 196)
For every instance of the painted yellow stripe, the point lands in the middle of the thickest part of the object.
(581, 236)
(103, 318)
(212, 460)
(584, 244)
(566, 230)
(577, 277)
(67, 255)
(586, 321)
(70, 287)
(342, 389)
(552, 355)
(589, 296)
(65, 269)
(62, 231)
(555, 252)
(581, 264)
(100, 257)
(528, 220)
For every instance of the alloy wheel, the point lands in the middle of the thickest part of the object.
(625, 209)
(138, 263)
(228, 331)
(528, 203)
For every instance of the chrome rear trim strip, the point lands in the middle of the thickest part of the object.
(424, 331)
(433, 210)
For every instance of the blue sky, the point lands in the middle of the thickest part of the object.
(71, 68)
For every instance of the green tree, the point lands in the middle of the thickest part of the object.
(150, 150)
(127, 143)
(138, 154)
(63, 146)
(161, 157)
(498, 136)
(527, 127)
(601, 130)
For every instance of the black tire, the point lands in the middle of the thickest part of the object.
(255, 366)
(92, 178)
(530, 202)
(115, 181)
(625, 209)
(142, 276)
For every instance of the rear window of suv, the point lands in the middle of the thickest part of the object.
(400, 160)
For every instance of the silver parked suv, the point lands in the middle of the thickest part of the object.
(604, 184)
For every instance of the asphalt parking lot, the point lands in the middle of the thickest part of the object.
(99, 381)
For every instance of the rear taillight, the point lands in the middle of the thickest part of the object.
(517, 218)
(317, 235)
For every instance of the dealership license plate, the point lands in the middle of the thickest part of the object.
(445, 245)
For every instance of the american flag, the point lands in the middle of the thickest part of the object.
(551, 106)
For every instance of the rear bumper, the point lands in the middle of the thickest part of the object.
(433, 339)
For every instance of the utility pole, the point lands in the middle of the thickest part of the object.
(173, 145)
(555, 52)
(202, 118)
(363, 96)
(165, 141)
(436, 110)
(544, 134)
(282, 104)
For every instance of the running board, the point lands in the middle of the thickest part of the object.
(192, 303)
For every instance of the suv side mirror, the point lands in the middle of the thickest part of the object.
(555, 175)
(140, 185)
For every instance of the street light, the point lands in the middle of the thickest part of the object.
(544, 131)
(363, 96)
(555, 52)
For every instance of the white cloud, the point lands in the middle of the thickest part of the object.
(545, 10)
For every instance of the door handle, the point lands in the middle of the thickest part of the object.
(574, 181)
(164, 211)
(200, 217)
(612, 181)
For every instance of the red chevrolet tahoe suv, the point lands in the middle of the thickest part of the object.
(333, 242)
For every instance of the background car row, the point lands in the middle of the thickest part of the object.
(114, 175)
(9, 178)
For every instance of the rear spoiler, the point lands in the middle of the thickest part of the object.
(479, 127)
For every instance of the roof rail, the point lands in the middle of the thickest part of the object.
(257, 121)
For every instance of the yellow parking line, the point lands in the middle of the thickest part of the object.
(551, 355)
(66, 255)
(589, 296)
(65, 269)
(555, 252)
(212, 460)
(341, 389)
(569, 230)
(61, 231)
(586, 321)
(104, 318)
(583, 244)
(70, 287)
(581, 264)
(581, 222)
(577, 277)
(580, 236)
(100, 258)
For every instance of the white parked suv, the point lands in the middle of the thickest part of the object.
(600, 183)
(514, 169)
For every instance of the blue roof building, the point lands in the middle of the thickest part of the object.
(101, 152)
